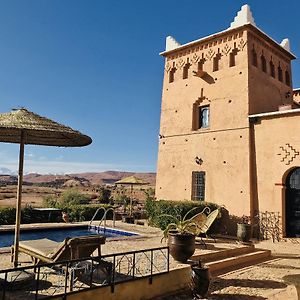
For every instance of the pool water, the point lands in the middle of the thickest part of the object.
(59, 234)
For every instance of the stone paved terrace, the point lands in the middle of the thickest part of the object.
(259, 281)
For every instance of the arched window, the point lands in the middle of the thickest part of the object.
(216, 60)
(172, 74)
(232, 55)
(186, 67)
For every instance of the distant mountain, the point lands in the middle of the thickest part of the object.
(101, 178)
(6, 171)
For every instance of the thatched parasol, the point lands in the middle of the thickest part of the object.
(131, 180)
(24, 127)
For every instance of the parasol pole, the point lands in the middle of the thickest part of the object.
(19, 199)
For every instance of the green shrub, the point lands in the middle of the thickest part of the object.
(104, 195)
(72, 197)
(79, 213)
(50, 201)
(175, 208)
(7, 215)
(76, 213)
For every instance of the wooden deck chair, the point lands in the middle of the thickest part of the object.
(207, 224)
(48, 251)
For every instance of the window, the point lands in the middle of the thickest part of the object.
(172, 74)
(279, 73)
(254, 58)
(198, 185)
(216, 60)
(186, 71)
(272, 69)
(263, 63)
(203, 116)
(200, 116)
(287, 78)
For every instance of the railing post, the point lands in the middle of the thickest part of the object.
(37, 283)
(66, 280)
(168, 259)
(112, 286)
(133, 267)
(4, 286)
(151, 267)
(92, 271)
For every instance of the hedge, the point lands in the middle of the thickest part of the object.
(155, 208)
(76, 213)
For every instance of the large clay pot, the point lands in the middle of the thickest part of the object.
(200, 279)
(243, 232)
(182, 246)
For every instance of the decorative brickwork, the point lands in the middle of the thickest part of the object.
(288, 153)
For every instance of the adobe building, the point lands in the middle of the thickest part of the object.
(230, 122)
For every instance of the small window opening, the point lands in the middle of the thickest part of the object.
(200, 65)
(232, 55)
(279, 73)
(263, 63)
(216, 60)
(254, 58)
(172, 74)
(185, 74)
(287, 78)
(272, 69)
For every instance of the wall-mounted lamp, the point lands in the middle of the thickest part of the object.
(198, 160)
(161, 136)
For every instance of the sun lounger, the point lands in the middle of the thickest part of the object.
(48, 251)
(44, 251)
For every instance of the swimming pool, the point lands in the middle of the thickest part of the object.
(59, 234)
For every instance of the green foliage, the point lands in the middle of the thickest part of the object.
(67, 198)
(79, 213)
(122, 199)
(7, 215)
(76, 213)
(171, 209)
(50, 201)
(104, 195)
(72, 197)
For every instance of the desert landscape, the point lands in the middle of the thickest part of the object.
(37, 186)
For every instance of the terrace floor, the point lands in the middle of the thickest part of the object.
(261, 280)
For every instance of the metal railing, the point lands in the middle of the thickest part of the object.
(62, 278)
(269, 225)
(104, 217)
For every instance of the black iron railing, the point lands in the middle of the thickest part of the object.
(61, 278)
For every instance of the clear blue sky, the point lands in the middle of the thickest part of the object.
(94, 65)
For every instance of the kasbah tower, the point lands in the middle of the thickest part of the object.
(230, 123)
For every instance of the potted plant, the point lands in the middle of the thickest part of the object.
(199, 279)
(244, 229)
(181, 235)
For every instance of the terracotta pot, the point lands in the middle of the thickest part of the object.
(200, 280)
(243, 232)
(182, 246)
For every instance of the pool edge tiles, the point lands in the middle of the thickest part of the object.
(118, 232)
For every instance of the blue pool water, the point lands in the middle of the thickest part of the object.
(59, 234)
